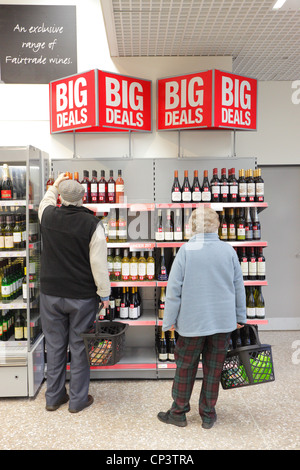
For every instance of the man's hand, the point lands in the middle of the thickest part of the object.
(239, 326)
(105, 303)
(60, 178)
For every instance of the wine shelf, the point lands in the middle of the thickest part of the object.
(138, 246)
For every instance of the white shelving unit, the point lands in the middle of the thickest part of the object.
(150, 191)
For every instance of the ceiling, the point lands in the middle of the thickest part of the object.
(264, 43)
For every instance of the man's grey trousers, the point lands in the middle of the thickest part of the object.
(63, 320)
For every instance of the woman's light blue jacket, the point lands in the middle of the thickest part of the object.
(205, 292)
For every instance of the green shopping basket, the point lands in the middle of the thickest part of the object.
(248, 365)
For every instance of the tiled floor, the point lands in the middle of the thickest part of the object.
(123, 415)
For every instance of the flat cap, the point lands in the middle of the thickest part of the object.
(71, 191)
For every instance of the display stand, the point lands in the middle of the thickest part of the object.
(22, 361)
(148, 185)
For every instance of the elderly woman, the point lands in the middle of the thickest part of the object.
(205, 302)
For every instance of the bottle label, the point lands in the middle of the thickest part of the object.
(260, 312)
(9, 241)
(17, 236)
(123, 311)
(186, 195)
(169, 236)
(159, 234)
(196, 195)
(234, 189)
(261, 267)
(248, 233)
(119, 188)
(133, 271)
(150, 271)
(142, 270)
(163, 356)
(2, 245)
(176, 195)
(224, 190)
(251, 189)
(242, 189)
(244, 267)
(125, 271)
(250, 312)
(260, 189)
(206, 194)
(6, 194)
(5, 291)
(252, 267)
(19, 332)
(178, 234)
(215, 189)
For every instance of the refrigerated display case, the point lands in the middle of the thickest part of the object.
(148, 184)
(22, 347)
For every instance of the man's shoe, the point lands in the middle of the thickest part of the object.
(169, 419)
(89, 403)
(209, 425)
(61, 402)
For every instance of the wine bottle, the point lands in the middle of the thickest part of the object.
(161, 304)
(119, 188)
(162, 347)
(176, 189)
(110, 266)
(117, 265)
(169, 227)
(159, 232)
(125, 270)
(196, 190)
(2, 232)
(256, 225)
(111, 311)
(233, 187)
(215, 186)
(124, 307)
(94, 187)
(242, 187)
(162, 274)
(186, 192)
(171, 346)
(133, 267)
(244, 263)
(6, 184)
(76, 176)
(112, 226)
(252, 265)
(224, 186)
(206, 193)
(111, 188)
(19, 327)
(250, 304)
(250, 187)
(102, 188)
(223, 229)
(50, 181)
(142, 267)
(5, 287)
(248, 226)
(231, 225)
(260, 304)
(122, 225)
(118, 298)
(87, 187)
(187, 233)
(17, 233)
(261, 265)
(259, 187)
(132, 313)
(8, 233)
(150, 268)
(240, 226)
(178, 225)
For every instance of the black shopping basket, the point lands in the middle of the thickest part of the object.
(248, 365)
(105, 342)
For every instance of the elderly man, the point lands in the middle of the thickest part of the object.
(74, 275)
(205, 302)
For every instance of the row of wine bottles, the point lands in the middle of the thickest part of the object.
(235, 225)
(13, 326)
(253, 263)
(123, 304)
(255, 303)
(98, 190)
(165, 344)
(13, 281)
(247, 188)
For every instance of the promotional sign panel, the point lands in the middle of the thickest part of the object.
(235, 101)
(124, 102)
(184, 102)
(73, 102)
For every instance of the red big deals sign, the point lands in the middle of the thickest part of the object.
(184, 102)
(73, 102)
(98, 101)
(235, 101)
(211, 99)
(124, 102)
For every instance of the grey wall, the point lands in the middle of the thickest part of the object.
(281, 229)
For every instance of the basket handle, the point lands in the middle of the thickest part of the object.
(101, 305)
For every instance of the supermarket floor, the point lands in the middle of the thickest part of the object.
(123, 415)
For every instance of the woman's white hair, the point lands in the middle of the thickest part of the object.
(204, 220)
